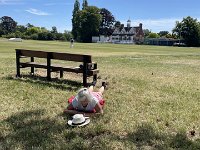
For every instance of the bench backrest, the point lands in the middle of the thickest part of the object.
(55, 55)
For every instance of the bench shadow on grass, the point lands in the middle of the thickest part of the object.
(62, 84)
(29, 130)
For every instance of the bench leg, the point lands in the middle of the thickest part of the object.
(61, 73)
(84, 80)
(48, 75)
(49, 66)
(18, 72)
(18, 64)
(32, 68)
(95, 77)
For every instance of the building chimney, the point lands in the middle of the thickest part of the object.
(140, 25)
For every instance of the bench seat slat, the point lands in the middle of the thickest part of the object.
(33, 64)
(71, 57)
(56, 67)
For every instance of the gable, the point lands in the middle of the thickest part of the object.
(123, 31)
(116, 31)
(132, 31)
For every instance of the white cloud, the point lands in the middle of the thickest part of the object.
(37, 12)
(10, 2)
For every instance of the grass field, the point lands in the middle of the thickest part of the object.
(153, 101)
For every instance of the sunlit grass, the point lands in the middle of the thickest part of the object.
(152, 101)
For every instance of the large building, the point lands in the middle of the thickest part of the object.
(128, 34)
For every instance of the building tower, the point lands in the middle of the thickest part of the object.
(129, 23)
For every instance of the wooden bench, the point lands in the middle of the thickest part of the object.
(87, 67)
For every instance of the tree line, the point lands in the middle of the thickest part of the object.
(9, 29)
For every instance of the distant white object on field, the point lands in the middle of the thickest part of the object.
(15, 39)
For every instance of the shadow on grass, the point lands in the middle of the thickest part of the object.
(62, 84)
(29, 130)
(86, 138)
(146, 136)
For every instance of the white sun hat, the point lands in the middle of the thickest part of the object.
(79, 120)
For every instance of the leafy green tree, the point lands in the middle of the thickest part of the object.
(108, 20)
(43, 29)
(189, 30)
(9, 35)
(153, 35)
(117, 24)
(59, 36)
(50, 36)
(29, 25)
(18, 34)
(34, 36)
(163, 33)
(67, 35)
(146, 32)
(21, 28)
(90, 20)
(1, 31)
(85, 4)
(121, 26)
(54, 30)
(62, 38)
(43, 36)
(75, 19)
(33, 30)
(7, 24)
(169, 36)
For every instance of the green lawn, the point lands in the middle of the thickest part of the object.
(153, 101)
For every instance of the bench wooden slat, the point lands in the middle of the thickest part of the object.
(33, 64)
(56, 67)
(71, 57)
(32, 53)
(55, 55)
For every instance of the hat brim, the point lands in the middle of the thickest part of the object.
(87, 120)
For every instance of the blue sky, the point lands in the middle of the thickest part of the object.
(155, 15)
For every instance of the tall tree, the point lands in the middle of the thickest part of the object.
(29, 25)
(89, 20)
(75, 22)
(54, 30)
(107, 23)
(85, 4)
(153, 35)
(117, 24)
(146, 32)
(8, 24)
(189, 30)
(21, 28)
(163, 33)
